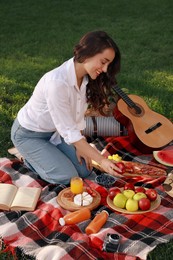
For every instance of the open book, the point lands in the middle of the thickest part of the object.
(18, 198)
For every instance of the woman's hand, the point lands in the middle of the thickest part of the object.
(93, 146)
(86, 151)
(87, 159)
(110, 167)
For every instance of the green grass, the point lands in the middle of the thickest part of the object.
(36, 36)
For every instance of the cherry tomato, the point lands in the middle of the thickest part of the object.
(90, 191)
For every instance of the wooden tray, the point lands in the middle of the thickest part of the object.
(154, 205)
(65, 200)
(97, 166)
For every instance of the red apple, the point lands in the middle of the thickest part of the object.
(113, 192)
(144, 204)
(129, 186)
(151, 194)
(139, 189)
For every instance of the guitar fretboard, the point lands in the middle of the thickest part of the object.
(126, 99)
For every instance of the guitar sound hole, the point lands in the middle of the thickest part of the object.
(137, 110)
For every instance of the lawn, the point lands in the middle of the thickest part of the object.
(37, 36)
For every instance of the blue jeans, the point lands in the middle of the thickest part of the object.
(55, 164)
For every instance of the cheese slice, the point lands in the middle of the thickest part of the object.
(83, 199)
(78, 199)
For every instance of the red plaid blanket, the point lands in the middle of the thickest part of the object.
(39, 236)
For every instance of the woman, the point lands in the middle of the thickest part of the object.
(47, 130)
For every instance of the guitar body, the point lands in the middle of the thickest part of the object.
(147, 129)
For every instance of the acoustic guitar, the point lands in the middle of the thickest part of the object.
(147, 129)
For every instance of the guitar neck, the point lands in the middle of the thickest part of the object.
(126, 98)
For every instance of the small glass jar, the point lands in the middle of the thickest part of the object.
(76, 185)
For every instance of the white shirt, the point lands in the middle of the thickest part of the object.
(57, 105)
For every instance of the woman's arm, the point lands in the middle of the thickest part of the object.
(86, 151)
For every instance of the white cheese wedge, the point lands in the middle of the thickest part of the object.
(84, 194)
(83, 199)
(87, 200)
(78, 199)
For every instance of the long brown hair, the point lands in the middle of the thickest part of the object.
(98, 90)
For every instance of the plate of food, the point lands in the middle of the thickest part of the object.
(134, 202)
(70, 201)
(136, 169)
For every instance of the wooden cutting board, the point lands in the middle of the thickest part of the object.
(157, 172)
(65, 200)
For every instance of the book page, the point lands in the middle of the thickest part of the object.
(26, 198)
(7, 193)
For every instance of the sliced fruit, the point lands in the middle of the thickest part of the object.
(164, 157)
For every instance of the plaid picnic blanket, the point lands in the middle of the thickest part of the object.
(38, 234)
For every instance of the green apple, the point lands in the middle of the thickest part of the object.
(129, 193)
(120, 200)
(132, 205)
(139, 195)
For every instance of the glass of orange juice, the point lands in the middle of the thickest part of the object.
(76, 185)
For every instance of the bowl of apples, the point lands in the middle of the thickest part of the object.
(131, 199)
